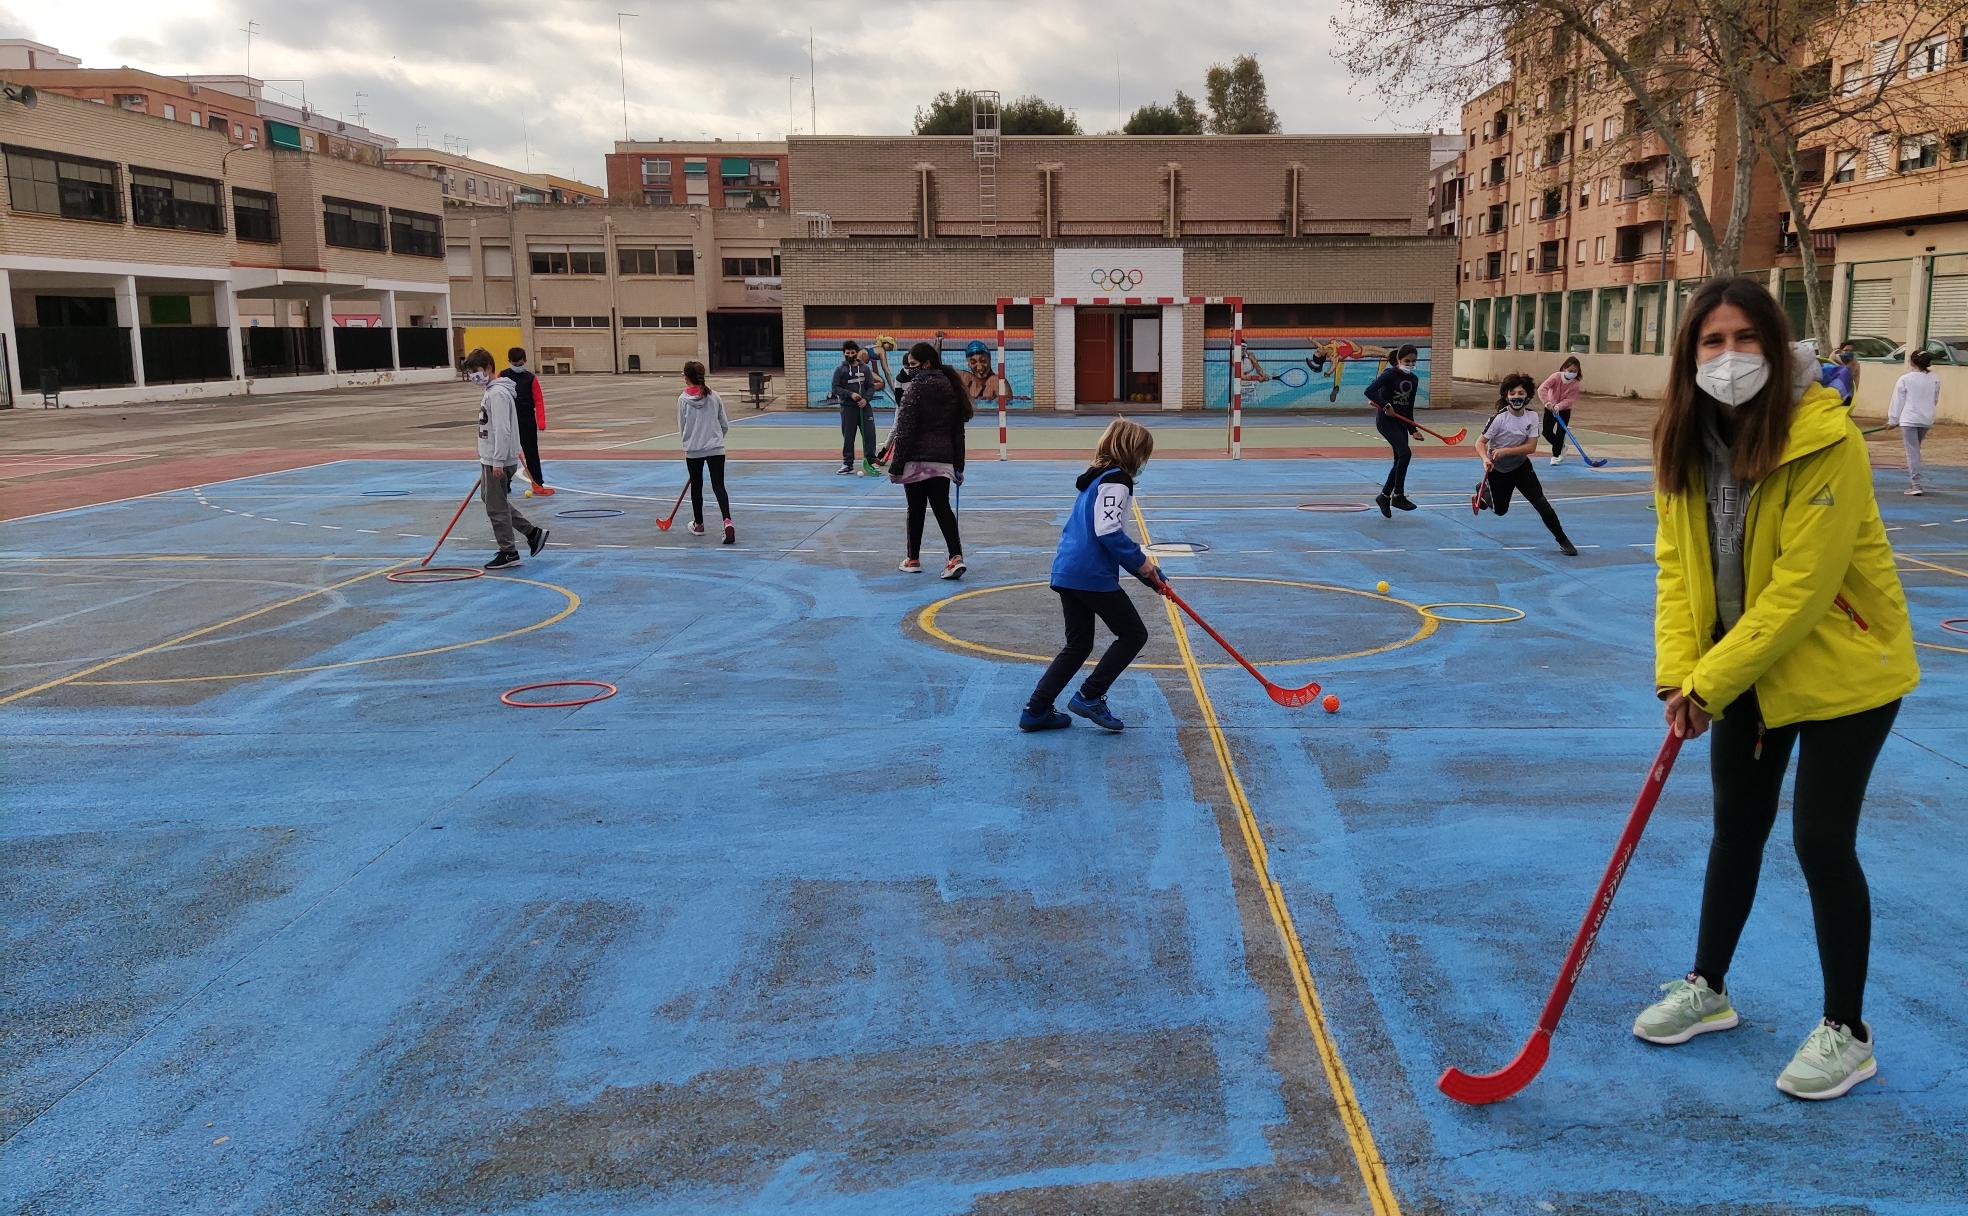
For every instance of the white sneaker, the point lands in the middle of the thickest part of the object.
(1558, 459)
(1913, 491)
(1830, 1063)
(845, 470)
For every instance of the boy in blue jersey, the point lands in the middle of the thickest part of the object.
(1093, 548)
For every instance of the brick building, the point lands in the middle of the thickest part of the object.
(719, 174)
(1571, 240)
(1325, 238)
(143, 258)
(479, 183)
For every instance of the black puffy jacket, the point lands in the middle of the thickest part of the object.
(930, 424)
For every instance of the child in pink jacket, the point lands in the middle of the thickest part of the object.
(1557, 393)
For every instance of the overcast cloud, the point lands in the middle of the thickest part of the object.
(502, 73)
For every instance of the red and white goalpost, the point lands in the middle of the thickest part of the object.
(1236, 304)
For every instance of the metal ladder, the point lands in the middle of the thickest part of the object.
(984, 133)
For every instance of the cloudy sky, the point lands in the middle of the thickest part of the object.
(503, 72)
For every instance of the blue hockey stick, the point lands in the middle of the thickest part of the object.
(1590, 463)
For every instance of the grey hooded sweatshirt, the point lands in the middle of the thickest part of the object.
(702, 422)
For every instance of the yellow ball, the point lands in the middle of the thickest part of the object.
(1381, 586)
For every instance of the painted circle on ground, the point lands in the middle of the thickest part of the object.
(1176, 548)
(926, 620)
(506, 697)
(384, 493)
(590, 513)
(1428, 610)
(1953, 624)
(1332, 506)
(434, 574)
(573, 602)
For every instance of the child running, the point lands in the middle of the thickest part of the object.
(498, 459)
(1916, 403)
(1093, 547)
(1506, 446)
(1393, 392)
(702, 423)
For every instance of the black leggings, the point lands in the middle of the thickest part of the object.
(529, 444)
(1130, 635)
(933, 494)
(1552, 434)
(1396, 435)
(1523, 479)
(696, 465)
(1834, 763)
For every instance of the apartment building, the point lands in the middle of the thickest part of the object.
(21, 54)
(1133, 247)
(478, 183)
(171, 98)
(145, 258)
(302, 127)
(1572, 241)
(719, 174)
(618, 287)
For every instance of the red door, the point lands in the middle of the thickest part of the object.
(1093, 358)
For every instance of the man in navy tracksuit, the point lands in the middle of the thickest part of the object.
(1093, 548)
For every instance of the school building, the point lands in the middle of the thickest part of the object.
(1125, 258)
(1571, 240)
(144, 257)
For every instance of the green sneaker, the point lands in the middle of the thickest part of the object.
(870, 469)
(1831, 1062)
(1690, 1008)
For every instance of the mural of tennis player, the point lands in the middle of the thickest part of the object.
(980, 381)
(1337, 352)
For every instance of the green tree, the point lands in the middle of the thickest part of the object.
(949, 113)
(1182, 118)
(1237, 101)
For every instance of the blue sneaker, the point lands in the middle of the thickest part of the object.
(1095, 712)
(1046, 719)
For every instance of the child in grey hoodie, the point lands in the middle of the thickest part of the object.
(702, 423)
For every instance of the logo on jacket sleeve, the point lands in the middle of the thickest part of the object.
(1824, 498)
(1109, 509)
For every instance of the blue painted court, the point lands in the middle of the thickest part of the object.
(301, 918)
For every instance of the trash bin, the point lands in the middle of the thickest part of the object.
(635, 363)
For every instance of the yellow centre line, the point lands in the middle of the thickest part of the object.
(1373, 1170)
(182, 638)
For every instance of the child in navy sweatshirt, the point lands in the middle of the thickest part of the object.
(1093, 548)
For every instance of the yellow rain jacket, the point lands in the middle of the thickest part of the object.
(1824, 630)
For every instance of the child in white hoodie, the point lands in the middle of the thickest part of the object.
(702, 423)
(1916, 401)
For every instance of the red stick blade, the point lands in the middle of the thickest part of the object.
(663, 525)
(1458, 437)
(1481, 1089)
(1292, 698)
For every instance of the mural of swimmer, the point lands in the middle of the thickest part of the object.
(1335, 353)
(979, 380)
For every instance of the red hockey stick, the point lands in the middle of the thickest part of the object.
(1290, 697)
(663, 525)
(469, 495)
(1495, 1086)
(1451, 440)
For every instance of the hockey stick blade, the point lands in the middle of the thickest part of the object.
(1451, 440)
(663, 525)
(1479, 1089)
(1290, 698)
(1590, 463)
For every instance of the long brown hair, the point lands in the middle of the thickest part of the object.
(1758, 428)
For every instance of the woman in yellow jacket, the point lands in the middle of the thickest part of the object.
(1780, 620)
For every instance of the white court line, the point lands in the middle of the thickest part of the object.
(21, 519)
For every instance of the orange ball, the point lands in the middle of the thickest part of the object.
(1331, 703)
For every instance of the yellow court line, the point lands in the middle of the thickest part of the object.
(573, 602)
(1944, 570)
(1373, 1170)
(182, 638)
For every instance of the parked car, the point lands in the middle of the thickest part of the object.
(1871, 347)
(1952, 351)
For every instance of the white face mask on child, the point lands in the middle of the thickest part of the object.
(1569, 376)
(480, 377)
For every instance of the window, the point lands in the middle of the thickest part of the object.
(307, 141)
(1548, 332)
(1520, 162)
(586, 261)
(166, 200)
(570, 322)
(1581, 251)
(352, 225)
(1481, 328)
(1599, 249)
(238, 132)
(417, 234)
(197, 120)
(255, 216)
(1958, 146)
(752, 267)
(1919, 152)
(567, 259)
(1848, 167)
(252, 135)
(1465, 271)
(1925, 57)
(471, 186)
(1513, 263)
(1687, 240)
(1462, 316)
(498, 261)
(1606, 132)
(1517, 213)
(657, 261)
(547, 261)
(1878, 147)
(216, 122)
(657, 171)
(659, 322)
(49, 184)
(458, 261)
(170, 112)
(1605, 189)
(1612, 320)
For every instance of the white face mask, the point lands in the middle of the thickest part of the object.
(1569, 376)
(1407, 367)
(1733, 377)
(480, 377)
(1517, 403)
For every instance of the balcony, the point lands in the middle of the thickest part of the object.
(1824, 243)
(1551, 227)
(1644, 266)
(1639, 202)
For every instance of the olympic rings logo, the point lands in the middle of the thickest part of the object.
(1116, 279)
